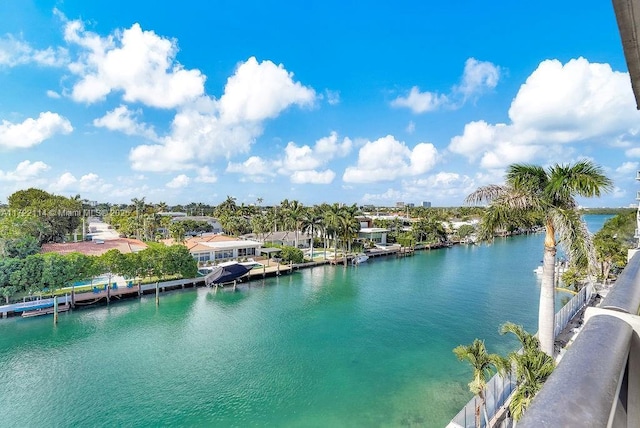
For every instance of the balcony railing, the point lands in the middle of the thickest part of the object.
(597, 383)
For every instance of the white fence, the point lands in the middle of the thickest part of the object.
(572, 307)
(499, 388)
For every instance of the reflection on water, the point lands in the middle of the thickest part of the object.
(326, 346)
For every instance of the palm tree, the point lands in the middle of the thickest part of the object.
(161, 207)
(532, 368)
(332, 224)
(139, 206)
(294, 214)
(551, 193)
(228, 207)
(260, 225)
(483, 365)
(311, 223)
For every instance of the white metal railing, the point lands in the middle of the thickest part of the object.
(598, 379)
(499, 388)
(568, 311)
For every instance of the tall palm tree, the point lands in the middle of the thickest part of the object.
(483, 365)
(228, 207)
(332, 224)
(550, 193)
(294, 214)
(532, 368)
(311, 223)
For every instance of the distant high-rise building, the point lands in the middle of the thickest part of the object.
(411, 205)
(399, 204)
(426, 204)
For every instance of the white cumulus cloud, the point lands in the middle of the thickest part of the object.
(299, 158)
(628, 168)
(205, 175)
(633, 153)
(178, 181)
(33, 131)
(255, 165)
(25, 170)
(386, 159)
(313, 177)
(420, 102)
(140, 64)
(259, 91)
(559, 104)
(124, 120)
(210, 129)
(14, 52)
(477, 78)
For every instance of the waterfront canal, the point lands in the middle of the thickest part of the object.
(329, 346)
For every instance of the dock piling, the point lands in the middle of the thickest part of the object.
(55, 310)
(157, 294)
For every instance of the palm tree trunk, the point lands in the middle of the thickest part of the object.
(546, 314)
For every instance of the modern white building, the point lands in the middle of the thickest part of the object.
(220, 248)
(375, 234)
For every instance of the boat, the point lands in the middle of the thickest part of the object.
(560, 269)
(33, 305)
(45, 311)
(359, 258)
(226, 272)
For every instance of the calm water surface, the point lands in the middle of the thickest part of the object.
(366, 346)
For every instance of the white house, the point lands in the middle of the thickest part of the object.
(375, 234)
(219, 248)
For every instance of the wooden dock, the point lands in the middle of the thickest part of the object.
(45, 311)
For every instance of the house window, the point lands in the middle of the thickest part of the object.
(243, 252)
(202, 257)
(225, 254)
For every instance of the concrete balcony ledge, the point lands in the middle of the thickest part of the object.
(597, 383)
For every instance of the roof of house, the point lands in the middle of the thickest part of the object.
(211, 241)
(286, 235)
(207, 237)
(95, 248)
(373, 230)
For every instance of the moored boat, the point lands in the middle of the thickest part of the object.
(359, 258)
(225, 272)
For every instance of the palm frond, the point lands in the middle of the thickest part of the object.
(527, 178)
(527, 340)
(575, 239)
(485, 194)
(583, 178)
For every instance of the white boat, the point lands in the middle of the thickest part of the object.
(359, 258)
(560, 269)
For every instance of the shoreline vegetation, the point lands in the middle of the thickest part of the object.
(25, 271)
(34, 217)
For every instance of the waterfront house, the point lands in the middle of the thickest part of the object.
(286, 238)
(212, 248)
(377, 235)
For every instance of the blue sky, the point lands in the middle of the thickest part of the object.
(333, 101)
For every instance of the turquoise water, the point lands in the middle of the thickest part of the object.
(365, 346)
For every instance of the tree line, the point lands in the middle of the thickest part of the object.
(39, 274)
